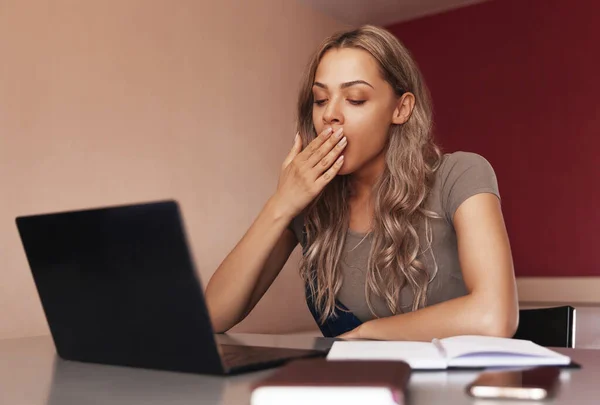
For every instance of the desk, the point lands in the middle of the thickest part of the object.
(31, 374)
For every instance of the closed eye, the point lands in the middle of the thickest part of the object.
(322, 102)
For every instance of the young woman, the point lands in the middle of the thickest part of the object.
(399, 242)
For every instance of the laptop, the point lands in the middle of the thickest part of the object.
(118, 286)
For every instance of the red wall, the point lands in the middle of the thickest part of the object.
(518, 81)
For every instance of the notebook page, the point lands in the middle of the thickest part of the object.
(419, 355)
(494, 351)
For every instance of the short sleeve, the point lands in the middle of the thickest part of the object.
(464, 175)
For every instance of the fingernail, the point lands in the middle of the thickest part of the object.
(327, 132)
(338, 133)
(343, 141)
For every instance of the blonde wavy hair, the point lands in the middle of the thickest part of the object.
(399, 196)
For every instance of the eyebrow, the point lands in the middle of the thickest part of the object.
(345, 85)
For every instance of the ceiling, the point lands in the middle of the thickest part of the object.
(382, 12)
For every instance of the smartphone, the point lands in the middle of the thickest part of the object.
(536, 383)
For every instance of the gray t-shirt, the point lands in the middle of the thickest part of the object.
(460, 176)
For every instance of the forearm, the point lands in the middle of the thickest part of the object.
(229, 291)
(469, 315)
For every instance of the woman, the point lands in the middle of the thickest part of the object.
(399, 242)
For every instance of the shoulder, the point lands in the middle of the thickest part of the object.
(459, 162)
(462, 175)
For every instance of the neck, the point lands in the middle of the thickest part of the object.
(363, 180)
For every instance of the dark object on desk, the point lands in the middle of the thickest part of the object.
(550, 327)
(321, 382)
(118, 286)
(536, 383)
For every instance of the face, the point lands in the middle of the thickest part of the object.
(350, 92)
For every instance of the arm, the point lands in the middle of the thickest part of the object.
(490, 307)
(249, 270)
(252, 266)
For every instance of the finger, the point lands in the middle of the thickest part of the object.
(294, 151)
(323, 180)
(324, 149)
(329, 159)
(316, 143)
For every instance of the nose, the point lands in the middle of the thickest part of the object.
(333, 113)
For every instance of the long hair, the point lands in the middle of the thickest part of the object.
(399, 196)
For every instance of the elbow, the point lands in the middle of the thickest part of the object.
(218, 323)
(218, 329)
(500, 323)
(220, 326)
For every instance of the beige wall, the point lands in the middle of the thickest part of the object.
(581, 290)
(109, 102)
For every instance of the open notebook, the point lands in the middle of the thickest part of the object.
(457, 351)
